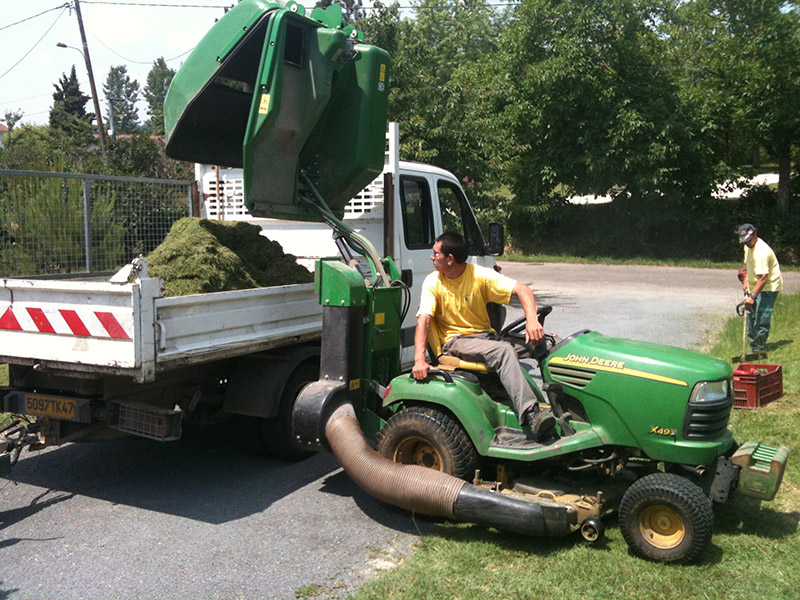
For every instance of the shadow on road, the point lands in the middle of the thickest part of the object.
(200, 477)
(40, 502)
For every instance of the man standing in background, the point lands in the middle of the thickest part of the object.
(763, 283)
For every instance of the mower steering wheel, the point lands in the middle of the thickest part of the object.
(516, 328)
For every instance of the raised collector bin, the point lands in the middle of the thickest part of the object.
(756, 385)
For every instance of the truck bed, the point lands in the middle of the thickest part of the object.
(131, 330)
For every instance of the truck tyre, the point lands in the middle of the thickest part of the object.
(276, 433)
(666, 518)
(428, 438)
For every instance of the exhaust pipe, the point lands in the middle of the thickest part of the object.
(431, 492)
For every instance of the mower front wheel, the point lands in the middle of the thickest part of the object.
(428, 438)
(666, 518)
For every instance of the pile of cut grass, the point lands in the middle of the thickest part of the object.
(199, 256)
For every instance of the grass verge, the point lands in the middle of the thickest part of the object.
(609, 260)
(755, 551)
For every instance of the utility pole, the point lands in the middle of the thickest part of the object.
(100, 128)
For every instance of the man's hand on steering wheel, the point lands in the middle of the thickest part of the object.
(534, 332)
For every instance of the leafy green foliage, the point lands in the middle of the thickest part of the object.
(444, 88)
(31, 147)
(143, 156)
(741, 62)
(158, 80)
(122, 92)
(595, 106)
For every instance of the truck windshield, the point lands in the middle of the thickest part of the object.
(457, 216)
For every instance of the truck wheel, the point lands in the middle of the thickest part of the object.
(276, 433)
(428, 438)
(666, 518)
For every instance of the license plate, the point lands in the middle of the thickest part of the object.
(50, 406)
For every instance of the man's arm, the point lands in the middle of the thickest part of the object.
(533, 329)
(421, 366)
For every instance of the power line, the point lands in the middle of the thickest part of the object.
(4, 102)
(130, 60)
(228, 6)
(221, 6)
(37, 43)
(34, 16)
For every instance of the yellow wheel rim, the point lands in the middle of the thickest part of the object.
(662, 526)
(418, 451)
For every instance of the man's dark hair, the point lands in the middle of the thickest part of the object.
(455, 244)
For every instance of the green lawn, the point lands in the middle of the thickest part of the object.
(755, 551)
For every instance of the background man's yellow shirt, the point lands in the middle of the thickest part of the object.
(761, 259)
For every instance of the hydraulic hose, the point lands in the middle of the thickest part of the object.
(431, 492)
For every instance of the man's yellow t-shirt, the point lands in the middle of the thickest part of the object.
(459, 305)
(760, 259)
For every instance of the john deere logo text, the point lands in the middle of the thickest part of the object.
(595, 361)
(656, 430)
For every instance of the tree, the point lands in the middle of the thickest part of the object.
(11, 118)
(742, 61)
(595, 104)
(68, 113)
(442, 89)
(158, 80)
(122, 92)
(31, 147)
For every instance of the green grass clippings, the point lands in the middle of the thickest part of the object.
(201, 256)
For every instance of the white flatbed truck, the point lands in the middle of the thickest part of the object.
(92, 358)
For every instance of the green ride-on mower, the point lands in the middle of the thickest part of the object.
(642, 429)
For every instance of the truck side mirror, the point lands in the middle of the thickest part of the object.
(497, 242)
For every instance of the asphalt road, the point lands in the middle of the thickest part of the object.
(200, 518)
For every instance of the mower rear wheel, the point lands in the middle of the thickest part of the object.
(428, 438)
(666, 518)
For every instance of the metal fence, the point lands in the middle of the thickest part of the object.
(67, 223)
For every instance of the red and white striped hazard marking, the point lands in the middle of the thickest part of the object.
(82, 322)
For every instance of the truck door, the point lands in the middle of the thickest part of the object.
(428, 205)
(416, 236)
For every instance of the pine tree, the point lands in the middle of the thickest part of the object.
(123, 92)
(68, 113)
(158, 80)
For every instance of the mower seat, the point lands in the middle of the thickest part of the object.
(449, 363)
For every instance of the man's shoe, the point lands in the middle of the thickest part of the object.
(543, 425)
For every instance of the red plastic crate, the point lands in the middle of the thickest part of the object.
(757, 389)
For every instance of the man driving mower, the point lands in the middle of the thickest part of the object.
(454, 298)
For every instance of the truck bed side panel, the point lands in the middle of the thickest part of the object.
(198, 328)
